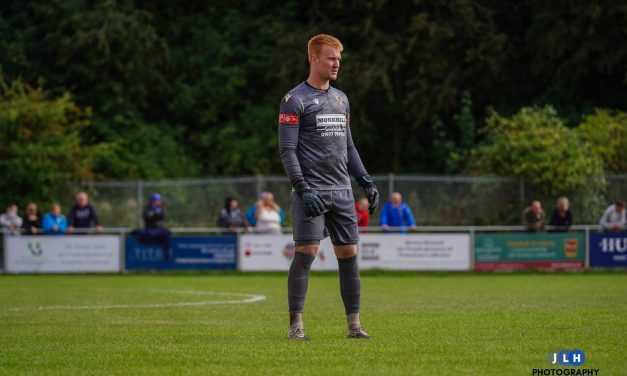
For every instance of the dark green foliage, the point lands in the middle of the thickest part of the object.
(183, 88)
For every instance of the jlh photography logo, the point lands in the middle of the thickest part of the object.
(566, 358)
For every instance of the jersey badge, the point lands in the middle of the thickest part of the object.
(340, 100)
(291, 119)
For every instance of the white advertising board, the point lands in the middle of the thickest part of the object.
(62, 254)
(376, 251)
(415, 251)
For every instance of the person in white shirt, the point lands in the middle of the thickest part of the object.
(268, 217)
(613, 218)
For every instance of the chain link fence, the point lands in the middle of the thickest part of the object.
(435, 200)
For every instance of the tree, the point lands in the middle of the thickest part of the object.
(606, 131)
(536, 145)
(40, 145)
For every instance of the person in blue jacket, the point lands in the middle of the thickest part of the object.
(396, 213)
(54, 223)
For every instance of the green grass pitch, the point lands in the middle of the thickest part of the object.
(429, 324)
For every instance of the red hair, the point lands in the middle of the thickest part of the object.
(316, 42)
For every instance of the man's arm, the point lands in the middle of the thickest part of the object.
(290, 113)
(94, 216)
(604, 221)
(383, 218)
(410, 215)
(355, 165)
(71, 217)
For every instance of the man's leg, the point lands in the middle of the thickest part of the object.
(297, 282)
(350, 287)
(307, 234)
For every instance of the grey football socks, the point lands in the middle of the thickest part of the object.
(297, 281)
(350, 288)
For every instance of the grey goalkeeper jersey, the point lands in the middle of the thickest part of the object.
(315, 138)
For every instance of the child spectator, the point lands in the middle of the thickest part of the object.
(54, 223)
(10, 221)
(361, 208)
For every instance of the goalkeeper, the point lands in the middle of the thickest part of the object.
(319, 157)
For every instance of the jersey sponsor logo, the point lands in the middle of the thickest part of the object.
(291, 119)
(331, 125)
(340, 99)
(287, 97)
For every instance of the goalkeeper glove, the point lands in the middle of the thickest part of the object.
(310, 201)
(371, 192)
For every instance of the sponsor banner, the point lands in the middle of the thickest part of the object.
(608, 250)
(516, 251)
(62, 254)
(376, 251)
(185, 252)
(415, 251)
(275, 253)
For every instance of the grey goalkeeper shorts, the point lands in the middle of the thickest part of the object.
(339, 220)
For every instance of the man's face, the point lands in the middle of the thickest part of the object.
(536, 207)
(56, 210)
(327, 64)
(81, 200)
(156, 203)
(363, 204)
(396, 199)
(619, 208)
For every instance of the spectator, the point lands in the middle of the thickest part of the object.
(562, 216)
(613, 218)
(251, 213)
(54, 223)
(32, 220)
(533, 217)
(82, 215)
(267, 215)
(396, 213)
(154, 232)
(10, 221)
(361, 208)
(154, 213)
(231, 217)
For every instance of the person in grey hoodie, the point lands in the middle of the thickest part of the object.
(10, 221)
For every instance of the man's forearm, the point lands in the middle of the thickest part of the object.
(288, 140)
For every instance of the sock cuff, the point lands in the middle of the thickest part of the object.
(304, 258)
(349, 261)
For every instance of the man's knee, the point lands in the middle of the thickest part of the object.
(311, 249)
(345, 250)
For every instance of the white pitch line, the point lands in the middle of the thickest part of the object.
(250, 298)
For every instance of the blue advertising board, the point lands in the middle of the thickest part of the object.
(608, 250)
(186, 252)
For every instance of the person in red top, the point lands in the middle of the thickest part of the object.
(361, 207)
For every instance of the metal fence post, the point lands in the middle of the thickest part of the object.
(521, 183)
(259, 183)
(390, 183)
(140, 202)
